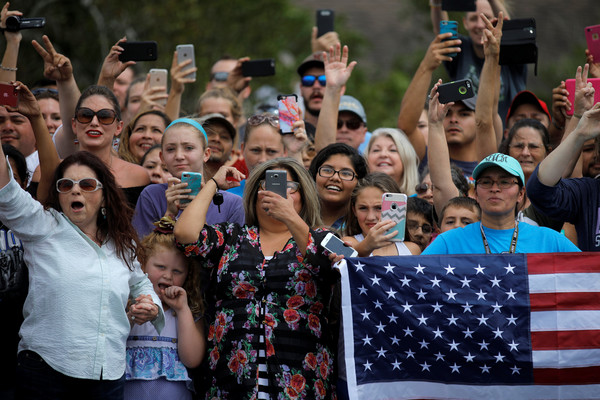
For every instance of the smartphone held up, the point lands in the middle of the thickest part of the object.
(8, 95)
(289, 112)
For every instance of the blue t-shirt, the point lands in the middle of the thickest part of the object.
(531, 239)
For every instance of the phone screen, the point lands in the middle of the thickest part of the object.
(288, 112)
(335, 245)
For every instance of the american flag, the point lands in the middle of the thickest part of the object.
(472, 326)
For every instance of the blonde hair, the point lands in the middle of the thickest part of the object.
(311, 207)
(124, 151)
(407, 153)
(223, 93)
(152, 243)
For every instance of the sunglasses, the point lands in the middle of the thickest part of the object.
(65, 185)
(39, 91)
(352, 124)
(219, 76)
(105, 116)
(422, 188)
(309, 80)
(260, 119)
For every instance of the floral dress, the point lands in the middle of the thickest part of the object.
(283, 299)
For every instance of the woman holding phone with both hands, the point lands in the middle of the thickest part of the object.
(81, 251)
(273, 283)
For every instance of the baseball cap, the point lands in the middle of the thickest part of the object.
(527, 97)
(349, 103)
(208, 119)
(470, 102)
(314, 60)
(506, 162)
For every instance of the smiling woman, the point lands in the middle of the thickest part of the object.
(144, 131)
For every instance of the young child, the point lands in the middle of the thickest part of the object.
(459, 212)
(365, 230)
(156, 364)
(419, 221)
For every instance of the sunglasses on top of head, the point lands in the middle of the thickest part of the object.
(309, 80)
(106, 116)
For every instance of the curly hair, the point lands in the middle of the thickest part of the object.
(153, 243)
(116, 226)
(124, 150)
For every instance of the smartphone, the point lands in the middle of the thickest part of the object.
(158, 78)
(264, 67)
(592, 35)
(289, 113)
(459, 5)
(335, 245)
(393, 207)
(276, 182)
(186, 52)
(456, 91)
(449, 26)
(138, 51)
(8, 95)
(570, 86)
(325, 19)
(194, 181)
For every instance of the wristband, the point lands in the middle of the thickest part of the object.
(3, 68)
(577, 115)
(216, 184)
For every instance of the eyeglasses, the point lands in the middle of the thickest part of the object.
(65, 185)
(309, 80)
(344, 174)
(521, 146)
(260, 119)
(293, 186)
(413, 226)
(422, 188)
(105, 116)
(504, 183)
(352, 124)
(219, 76)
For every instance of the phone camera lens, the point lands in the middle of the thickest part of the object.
(394, 206)
(462, 90)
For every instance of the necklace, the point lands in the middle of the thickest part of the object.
(513, 242)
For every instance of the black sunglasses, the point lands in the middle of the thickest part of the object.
(352, 124)
(105, 116)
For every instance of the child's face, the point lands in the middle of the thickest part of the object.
(367, 208)
(458, 217)
(166, 267)
(419, 229)
(183, 150)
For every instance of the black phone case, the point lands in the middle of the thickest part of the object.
(518, 44)
(455, 91)
(138, 51)
(459, 5)
(265, 67)
(325, 21)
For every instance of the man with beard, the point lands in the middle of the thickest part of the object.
(312, 87)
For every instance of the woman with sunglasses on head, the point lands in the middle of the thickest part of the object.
(336, 170)
(81, 256)
(273, 283)
(499, 188)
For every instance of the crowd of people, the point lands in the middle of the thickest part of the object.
(117, 283)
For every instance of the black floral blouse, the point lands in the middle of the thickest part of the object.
(287, 295)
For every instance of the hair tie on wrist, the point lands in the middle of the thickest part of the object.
(577, 115)
(216, 184)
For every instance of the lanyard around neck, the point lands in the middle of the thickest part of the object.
(513, 242)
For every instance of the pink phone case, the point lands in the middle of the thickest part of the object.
(570, 86)
(592, 35)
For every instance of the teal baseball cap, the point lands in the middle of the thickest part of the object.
(504, 161)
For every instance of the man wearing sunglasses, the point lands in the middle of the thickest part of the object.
(16, 130)
(312, 86)
(352, 124)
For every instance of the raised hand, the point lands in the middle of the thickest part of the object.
(27, 104)
(492, 35)
(584, 91)
(337, 69)
(439, 49)
(57, 67)
(560, 105)
(437, 111)
(112, 67)
(323, 42)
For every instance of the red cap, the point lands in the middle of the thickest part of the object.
(527, 97)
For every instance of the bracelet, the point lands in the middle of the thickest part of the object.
(216, 184)
(577, 115)
(3, 68)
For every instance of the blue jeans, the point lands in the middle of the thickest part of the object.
(37, 380)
